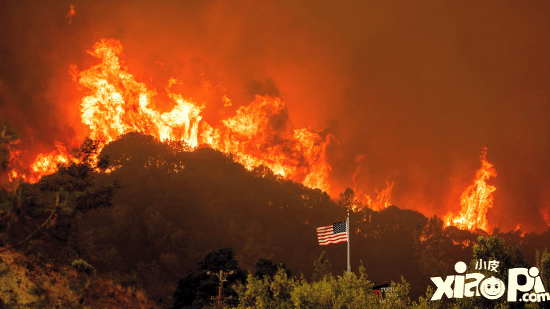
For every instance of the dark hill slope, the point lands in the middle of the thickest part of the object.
(173, 207)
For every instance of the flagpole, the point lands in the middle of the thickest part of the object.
(347, 232)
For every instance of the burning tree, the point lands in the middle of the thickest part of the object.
(8, 139)
(476, 200)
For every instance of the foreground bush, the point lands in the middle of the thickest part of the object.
(346, 291)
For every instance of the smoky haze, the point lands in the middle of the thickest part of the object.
(418, 88)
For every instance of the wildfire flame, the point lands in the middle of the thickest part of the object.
(71, 14)
(383, 197)
(44, 164)
(476, 200)
(298, 154)
(118, 104)
(47, 164)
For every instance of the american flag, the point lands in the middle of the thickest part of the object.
(332, 234)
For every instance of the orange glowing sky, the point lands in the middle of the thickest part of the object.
(416, 88)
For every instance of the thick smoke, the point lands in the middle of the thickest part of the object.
(416, 88)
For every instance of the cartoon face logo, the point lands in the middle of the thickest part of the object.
(492, 288)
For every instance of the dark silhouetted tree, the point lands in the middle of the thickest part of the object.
(321, 267)
(493, 248)
(349, 201)
(266, 267)
(196, 291)
(8, 140)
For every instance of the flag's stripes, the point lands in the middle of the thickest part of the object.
(332, 234)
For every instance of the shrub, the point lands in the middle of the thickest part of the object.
(83, 266)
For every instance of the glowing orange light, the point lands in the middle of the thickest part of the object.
(383, 196)
(475, 201)
(71, 13)
(46, 164)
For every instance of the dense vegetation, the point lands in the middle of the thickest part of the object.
(149, 222)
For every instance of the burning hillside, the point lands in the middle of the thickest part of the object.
(258, 134)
